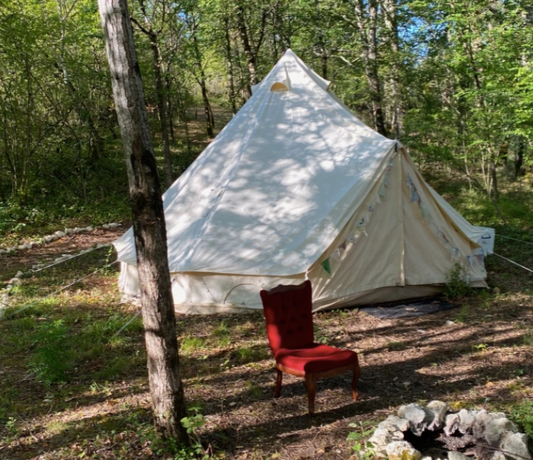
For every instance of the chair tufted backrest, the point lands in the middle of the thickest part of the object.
(288, 316)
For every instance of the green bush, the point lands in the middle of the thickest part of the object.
(457, 284)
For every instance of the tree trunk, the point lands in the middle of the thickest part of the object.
(159, 89)
(320, 40)
(370, 58)
(208, 112)
(161, 107)
(389, 13)
(148, 222)
(248, 52)
(230, 68)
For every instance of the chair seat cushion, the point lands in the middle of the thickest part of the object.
(315, 358)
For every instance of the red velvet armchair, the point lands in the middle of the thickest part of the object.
(289, 324)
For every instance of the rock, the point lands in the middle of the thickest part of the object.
(438, 410)
(394, 423)
(60, 234)
(106, 226)
(89, 229)
(454, 455)
(380, 439)
(418, 417)
(514, 445)
(496, 429)
(113, 225)
(48, 238)
(15, 281)
(19, 275)
(451, 424)
(402, 450)
(466, 420)
(2, 251)
(498, 456)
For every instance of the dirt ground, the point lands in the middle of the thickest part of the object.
(480, 354)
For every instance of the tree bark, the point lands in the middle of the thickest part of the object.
(148, 223)
(230, 67)
(208, 112)
(391, 23)
(159, 89)
(370, 58)
(320, 40)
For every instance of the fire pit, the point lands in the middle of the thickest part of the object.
(434, 433)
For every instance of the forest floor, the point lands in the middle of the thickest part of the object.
(73, 373)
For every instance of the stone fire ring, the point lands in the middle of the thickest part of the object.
(443, 435)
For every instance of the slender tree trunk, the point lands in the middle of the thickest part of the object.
(370, 57)
(208, 112)
(389, 13)
(170, 106)
(148, 222)
(519, 158)
(159, 89)
(320, 40)
(248, 52)
(161, 106)
(230, 68)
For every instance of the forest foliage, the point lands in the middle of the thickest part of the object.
(451, 80)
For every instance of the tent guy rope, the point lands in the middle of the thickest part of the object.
(512, 262)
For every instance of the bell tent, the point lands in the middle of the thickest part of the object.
(296, 187)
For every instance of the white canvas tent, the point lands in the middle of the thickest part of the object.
(296, 187)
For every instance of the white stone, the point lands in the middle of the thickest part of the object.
(394, 423)
(2, 251)
(402, 450)
(106, 226)
(496, 429)
(466, 420)
(380, 439)
(438, 409)
(451, 424)
(454, 455)
(89, 229)
(113, 225)
(498, 456)
(515, 445)
(19, 275)
(15, 281)
(60, 234)
(418, 417)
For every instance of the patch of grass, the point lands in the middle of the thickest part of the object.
(527, 338)
(248, 354)
(191, 344)
(53, 355)
(253, 389)
(463, 314)
(522, 414)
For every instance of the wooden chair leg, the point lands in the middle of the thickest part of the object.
(355, 379)
(279, 378)
(310, 383)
